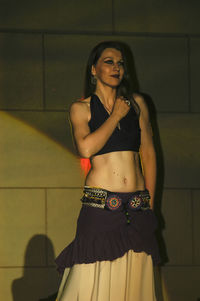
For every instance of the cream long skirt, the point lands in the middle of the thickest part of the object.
(128, 278)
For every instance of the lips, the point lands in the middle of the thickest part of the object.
(115, 76)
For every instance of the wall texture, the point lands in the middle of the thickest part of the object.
(43, 51)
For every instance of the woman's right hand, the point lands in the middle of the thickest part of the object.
(120, 108)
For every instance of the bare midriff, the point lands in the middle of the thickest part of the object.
(116, 171)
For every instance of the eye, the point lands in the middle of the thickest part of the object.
(109, 62)
(121, 63)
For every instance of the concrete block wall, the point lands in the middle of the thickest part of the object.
(44, 46)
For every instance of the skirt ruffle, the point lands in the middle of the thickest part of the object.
(104, 235)
(125, 279)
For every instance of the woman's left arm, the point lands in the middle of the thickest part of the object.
(147, 150)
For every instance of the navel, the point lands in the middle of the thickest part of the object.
(125, 180)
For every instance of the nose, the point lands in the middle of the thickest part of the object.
(116, 67)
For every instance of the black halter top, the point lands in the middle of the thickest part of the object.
(127, 138)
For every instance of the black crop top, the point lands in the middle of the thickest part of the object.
(127, 138)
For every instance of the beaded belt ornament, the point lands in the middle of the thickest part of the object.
(100, 198)
(94, 197)
(113, 202)
(140, 201)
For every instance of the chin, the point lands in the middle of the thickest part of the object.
(115, 86)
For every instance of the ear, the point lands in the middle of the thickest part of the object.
(93, 70)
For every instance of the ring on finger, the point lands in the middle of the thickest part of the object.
(127, 102)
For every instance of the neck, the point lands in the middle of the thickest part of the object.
(107, 95)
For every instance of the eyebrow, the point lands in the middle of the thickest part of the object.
(110, 57)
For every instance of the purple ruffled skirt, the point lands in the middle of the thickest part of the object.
(104, 235)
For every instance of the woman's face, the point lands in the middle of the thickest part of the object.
(109, 69)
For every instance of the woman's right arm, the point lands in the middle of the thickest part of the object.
(90, 143)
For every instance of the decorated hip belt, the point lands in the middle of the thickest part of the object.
(115, 201)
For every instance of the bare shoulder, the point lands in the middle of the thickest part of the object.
(140, 101)
(80, 111)
(142, 105)
(80, 107)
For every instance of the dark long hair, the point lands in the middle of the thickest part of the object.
(125, 88)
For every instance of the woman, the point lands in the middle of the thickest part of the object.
(110, 258)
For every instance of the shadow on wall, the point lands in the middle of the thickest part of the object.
(40, 280)
(159, 152)
(158, 198)
(160, 178)
(131, 66)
